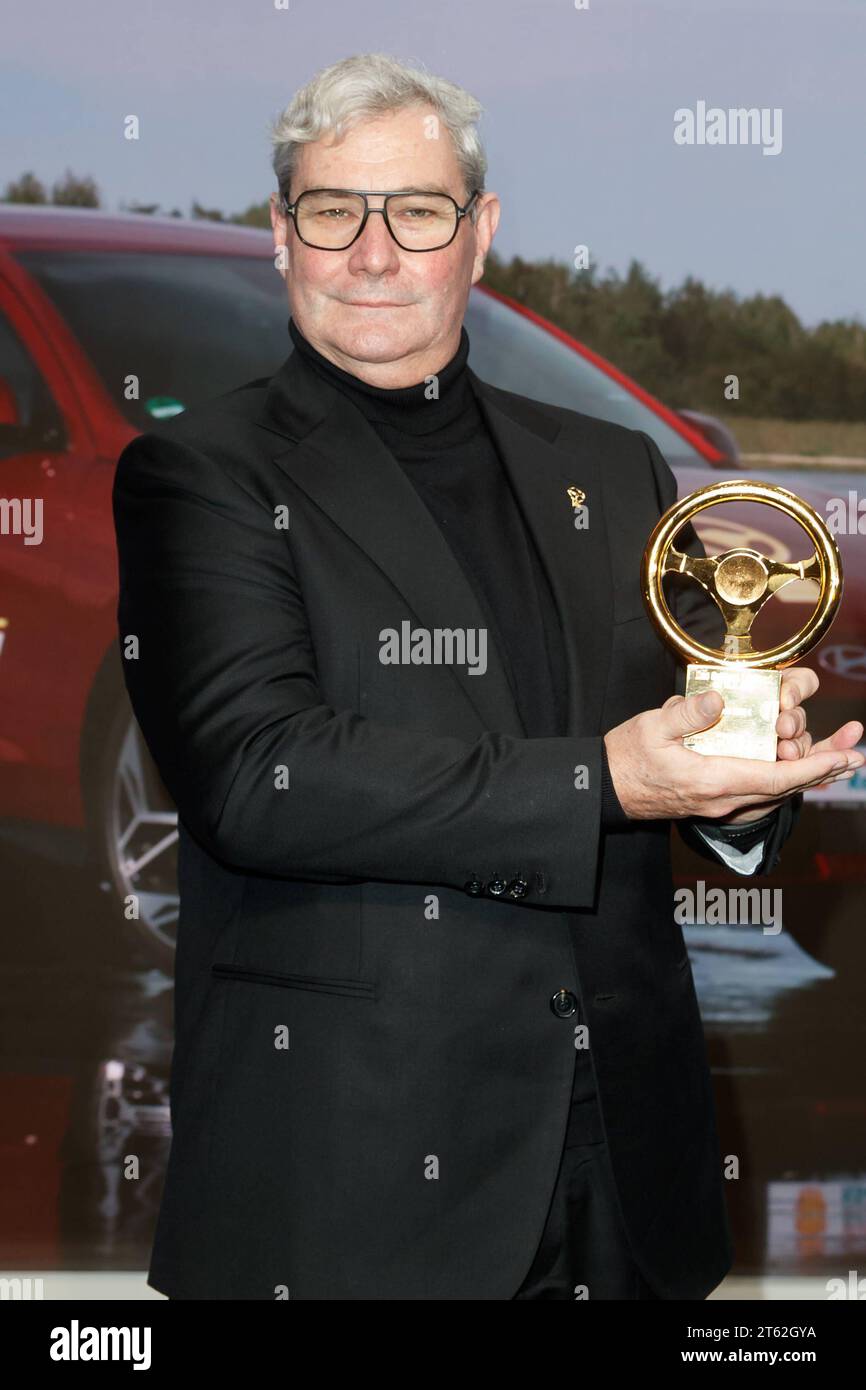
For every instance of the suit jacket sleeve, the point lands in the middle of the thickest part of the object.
(222, 680)
(696, 612)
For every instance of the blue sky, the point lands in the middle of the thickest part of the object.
(578, 105)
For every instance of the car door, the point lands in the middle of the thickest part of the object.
(43, 457)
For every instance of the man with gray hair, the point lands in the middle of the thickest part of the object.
(436, 1028)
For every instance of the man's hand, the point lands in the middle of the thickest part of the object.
(800, 683)
(656, 778)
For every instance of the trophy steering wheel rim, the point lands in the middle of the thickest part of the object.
(654, 567)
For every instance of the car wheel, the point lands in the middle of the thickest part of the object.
(137, 830)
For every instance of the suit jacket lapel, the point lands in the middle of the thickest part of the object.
(340, 462)
(576, 561)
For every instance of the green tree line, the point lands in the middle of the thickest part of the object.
(684, 343)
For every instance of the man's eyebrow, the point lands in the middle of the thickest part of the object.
(427, 188)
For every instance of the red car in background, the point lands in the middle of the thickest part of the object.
(89, 300)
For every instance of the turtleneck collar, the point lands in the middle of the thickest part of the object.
(406, 409)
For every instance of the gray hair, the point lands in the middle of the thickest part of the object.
(369, 85)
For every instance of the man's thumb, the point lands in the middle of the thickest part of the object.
(696, 712)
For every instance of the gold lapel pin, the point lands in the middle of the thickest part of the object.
(577, 496)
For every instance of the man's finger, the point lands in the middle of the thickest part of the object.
(848, 736)
(762, 781)
(791, 722)
(794, 747)
(798, 683)
(689, 715)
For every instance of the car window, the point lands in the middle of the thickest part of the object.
(189, 327)
(29, 417)
(518, 355)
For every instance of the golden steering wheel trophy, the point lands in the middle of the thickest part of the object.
(740, 581)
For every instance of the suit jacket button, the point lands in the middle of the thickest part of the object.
(474, 887)
(497, 887)
(518, 887)
(564, 1003)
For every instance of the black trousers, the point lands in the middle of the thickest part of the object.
(584, 1251)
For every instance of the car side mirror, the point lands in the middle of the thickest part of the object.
(716, 434)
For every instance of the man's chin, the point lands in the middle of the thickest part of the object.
(369, 343)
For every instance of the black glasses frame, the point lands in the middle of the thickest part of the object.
(290, 208)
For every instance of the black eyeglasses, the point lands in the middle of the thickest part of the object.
(331, 219)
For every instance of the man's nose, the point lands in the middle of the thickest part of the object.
(375, 245)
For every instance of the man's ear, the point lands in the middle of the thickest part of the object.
(489, 209)
(279, 227)
(278, 217)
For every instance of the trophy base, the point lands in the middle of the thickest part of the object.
(747, 727)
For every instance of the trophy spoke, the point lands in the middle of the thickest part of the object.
(781, 574)
(738, 624)
(701, 568)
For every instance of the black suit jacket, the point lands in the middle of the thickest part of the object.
(370, 1087)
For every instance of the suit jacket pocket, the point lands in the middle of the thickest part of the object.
(298, 929)
(362, 989)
